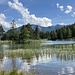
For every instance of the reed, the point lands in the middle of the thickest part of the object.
(24, 53)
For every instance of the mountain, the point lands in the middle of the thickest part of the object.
(44, 29)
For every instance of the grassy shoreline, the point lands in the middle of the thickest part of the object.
(5, 42)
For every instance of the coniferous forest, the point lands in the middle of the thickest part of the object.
(26, 32)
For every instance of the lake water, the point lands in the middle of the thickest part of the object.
(49, 58)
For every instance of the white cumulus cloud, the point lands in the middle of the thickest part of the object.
(68, 9)
(27, 17)
(3, 22)
(73, 15)
(61, 7)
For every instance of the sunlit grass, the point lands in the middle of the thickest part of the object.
(14, 72)
(5, 42)
(24, 53)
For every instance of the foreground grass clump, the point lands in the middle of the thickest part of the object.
(13, 72)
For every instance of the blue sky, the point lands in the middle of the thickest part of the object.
(39, 12)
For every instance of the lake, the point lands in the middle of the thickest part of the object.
(48, 58)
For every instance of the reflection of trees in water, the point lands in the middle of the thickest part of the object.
(32, 56)
(62, 52)
(65, 55)
(1, 54)
(65, 52)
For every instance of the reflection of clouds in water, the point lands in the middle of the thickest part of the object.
(6, 64)
(68, 70)
(43, 59)
(63, 71)
(22, 65)
(19, 62)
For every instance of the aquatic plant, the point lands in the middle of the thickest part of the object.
(27, 54)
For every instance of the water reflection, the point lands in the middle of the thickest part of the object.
(49, 59)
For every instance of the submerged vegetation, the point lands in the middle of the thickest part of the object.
(29, 54)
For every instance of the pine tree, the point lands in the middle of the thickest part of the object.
(53, 35)
(31, 31)
(1, 31)
(69, 34)
(64, 32)
(37, 33)
(24, 35)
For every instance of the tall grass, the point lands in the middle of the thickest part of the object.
(5, 42)
(13, 72)
(24, 53)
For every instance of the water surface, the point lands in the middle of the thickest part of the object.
(46, 59)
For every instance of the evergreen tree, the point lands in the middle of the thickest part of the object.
(12, 35)
(64, 32)
(1, 31)
(24, 35)
(73, 31)
(60, 34)
(31, 31)
(69, 34)
(53, 35)
(42, 35)
(57, 31)
(37, 33)
(47, 35)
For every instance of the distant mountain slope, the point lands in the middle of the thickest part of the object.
(45, 29)
(50, 28)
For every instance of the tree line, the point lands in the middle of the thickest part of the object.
(26, 32)
(64, 33)
(22, 35)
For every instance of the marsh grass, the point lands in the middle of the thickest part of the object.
(1, 54)
(14, 72)
(59, 50)
(5, 42)
(32, 44)
(24, 53)
(64, 46)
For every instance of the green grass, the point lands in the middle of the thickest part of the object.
(5, 42)
(24, 53)
(13, 72)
